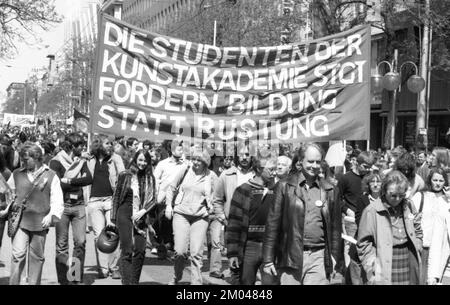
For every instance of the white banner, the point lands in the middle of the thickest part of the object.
(17, 119)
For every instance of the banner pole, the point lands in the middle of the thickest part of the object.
(345, 151)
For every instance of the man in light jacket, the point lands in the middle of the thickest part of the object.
(228, 181)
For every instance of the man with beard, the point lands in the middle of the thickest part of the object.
(74, 175)
(302, 241)
(350, 188)
(164, 173)
(228, 181)
(105, 167)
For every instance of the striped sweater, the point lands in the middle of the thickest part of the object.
(238, 220)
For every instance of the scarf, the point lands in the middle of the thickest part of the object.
(75, 169)
(63, 158)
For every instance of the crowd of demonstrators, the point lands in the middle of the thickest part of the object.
(280, 217)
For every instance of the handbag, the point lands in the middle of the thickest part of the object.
(16, 209)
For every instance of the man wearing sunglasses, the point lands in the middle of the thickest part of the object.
(350, 189)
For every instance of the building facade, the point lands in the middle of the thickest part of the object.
(153, 15)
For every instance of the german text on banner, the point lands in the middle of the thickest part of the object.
(157, 87)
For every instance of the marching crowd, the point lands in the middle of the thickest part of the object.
(281, 217)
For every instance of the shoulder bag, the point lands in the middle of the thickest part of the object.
(179, 194)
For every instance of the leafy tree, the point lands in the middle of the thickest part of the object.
(239, 23)
(19, 21)
(16, 102)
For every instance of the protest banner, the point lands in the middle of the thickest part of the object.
(157, 87)
(15, 119)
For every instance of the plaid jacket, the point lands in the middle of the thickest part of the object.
(238, 220)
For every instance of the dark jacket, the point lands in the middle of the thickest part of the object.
(283, 242)
(236, 231)
(73, 192)
(143, 195)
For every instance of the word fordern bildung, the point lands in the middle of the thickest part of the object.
(157, 86)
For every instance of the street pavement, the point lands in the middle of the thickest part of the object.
(154, 272)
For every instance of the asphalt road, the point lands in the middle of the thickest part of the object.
(154, 272)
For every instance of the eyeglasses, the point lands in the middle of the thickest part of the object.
(375, 182)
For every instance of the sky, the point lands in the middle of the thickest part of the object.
(29, 57)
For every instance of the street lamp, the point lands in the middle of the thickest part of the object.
(391, 81)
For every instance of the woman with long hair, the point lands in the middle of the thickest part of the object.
(133, 198)
(439, 255)
(428, 204)
(390, 236)
(439, 157)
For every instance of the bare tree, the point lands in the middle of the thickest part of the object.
(20, 20)
(239, 23)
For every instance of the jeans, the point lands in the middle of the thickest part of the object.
(75, 215)
(252, 262)
(355, 274)
(189, 236)
(215, 231)
(425, 256)
(32, 243)
(99, 209)
(164, 231)
(313, 271)
(132, 247)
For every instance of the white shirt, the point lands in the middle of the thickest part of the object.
(431, 204)
(165, 171)
(243, 178)
(56, 194)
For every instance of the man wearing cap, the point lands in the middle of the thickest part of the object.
(302, 242)
(228, 181)
(164, 173)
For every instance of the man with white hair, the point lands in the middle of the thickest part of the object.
(284, 165)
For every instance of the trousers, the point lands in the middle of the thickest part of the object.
(31, 243)
(75, 215)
